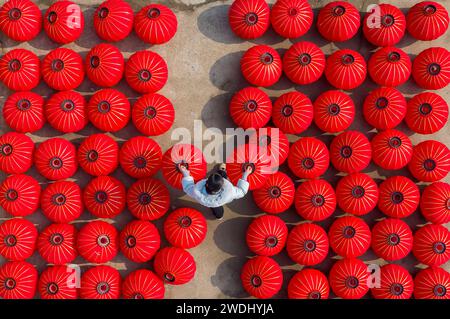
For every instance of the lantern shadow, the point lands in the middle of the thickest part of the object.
(230, 234)
(225, 74)
(227, 277)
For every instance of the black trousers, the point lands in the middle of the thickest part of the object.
(219, 211)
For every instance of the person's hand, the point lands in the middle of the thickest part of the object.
(249, 170)
(182, 168)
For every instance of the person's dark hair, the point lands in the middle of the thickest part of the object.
(214, 183)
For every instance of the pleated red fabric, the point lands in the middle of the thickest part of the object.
(63, 69)
(338, 21)
(250, 108)
(435, 203)
(385, 25)
(392, 239)
(349, 236)
(17, 239)
(56, 159)
(58, 282)
(140, 157)
(399, 197)
(249, 19)
(348, 278)
(267, 235)
(291, 18)
(391, 149)
(261, 65)
(427, 113)
(148, 199)
(100, 282)
(20, 70)
(113, 20)
(155, 24)
(18, 280)
(276, 195)
(389, 66)
(185, 228)
(153, 114)
(104, 65)
(139, 241)
(432, 283)
(346, 69)
(16, 153)
(20, 195)
(20, 20)
(261, 277)
(431, 245)
(175, 266)
(431, 68)
(350, 152)
(98, 155)
(104, 197)
(64, 22)
(275, 141)
(292, 112)
(334, 111)
(395, 283)
(308, 158)
(24, 112)
(307, 244)
(430, 161)
(304, 63)
(143, 284)
(315, 200)
(57, 244)
(308, 284)
(357, 194)
(97, 242)
(109, 110)
(61, 202)
(427, 20)
(66, 111)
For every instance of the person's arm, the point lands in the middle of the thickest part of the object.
(187, 181)
(241, 189)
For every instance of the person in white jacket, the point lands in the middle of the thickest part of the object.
(216, 190)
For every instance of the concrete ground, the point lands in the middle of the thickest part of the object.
(203, 60)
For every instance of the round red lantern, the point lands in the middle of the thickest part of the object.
(261, 65)
(140, 157)
(357, 194)
(349, 236)
(395, 283)
(391, 149)
(338, 21)
(109, 110)
(432, 283)
(427, 20)
(64, 22)
(153, 114)
(399, 197)
(16, 153)
(57, 244)
(185, 228)
(19, 195)
(148, 199)
(58, 282)
(267, 235)
(308, 284)
(435, 203)
(174, 265)
(104, 197)
(346, 69)
(249, 19)
(250, 108)
(20, 20)
(261, 277)
(292, 112)
(392, 239)
(63, 69)
(276, 195)
(55, 159)
(100, 282)
(113, 20)
(389, 66)
(104, 65)
(98, 155)
(431, 245)
(334, 111)
(155, 24)
(66, 111)
(18, 280)
(291, 18)
(307, 244)
(309, 158)
(97, 242)
(427, 113)
(61, 202)
(24, 112)
(304, 63)
(431, 68)
(350, 152)
(275, 142)
(315, 200)
(388, 28)
(348, 278)
(17, 239)
(139, 241)
(20, 70)
(430, 161)
(143, 284)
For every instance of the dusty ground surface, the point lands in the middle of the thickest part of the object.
(203, 60)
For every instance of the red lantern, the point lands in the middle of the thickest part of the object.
(348, 278)
(427, 20)
(292, 112)
(113, 20)
(435, 203)
(140, 157)
(109, 110)
(304, 63)
(153, 114)
(357, 194)
(427, 113)
(261, 277)
(20, 20)
(64, 22)
(61, 202)
(315, 200)
(16, 153)
(55, 159)
(291, 18)
(20, 70)
(309, 158)
(174, 265)
(66, 111)
(58, 282)
(307, 244)
(431, 245)
(392, 239)
(56, 244)
(391, 149)
(350, 152)
(349, 236)
(146, 72)
(261, 65)
(18, 280)
(98, 155)
(276, 195)
(148, 199)
(334, 111)
(308, 284)
(189, 156)
(185, 228)
(142, 284)
(104, 197)
(395, 283)
(432, 283)
(24, 112)
(267, 235)
(249, 19)
(17, 239)
(19, 195)
(399, 197)
(431, 68)
(139, 241)
(387, 28)
(338, 21)
(250, 108)
(155, 24)
(100, 282)
(275, 141)
(63, 69)
(430, 161)
(104, 65)
(346, 69)
(97, 242)
(389, 66)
